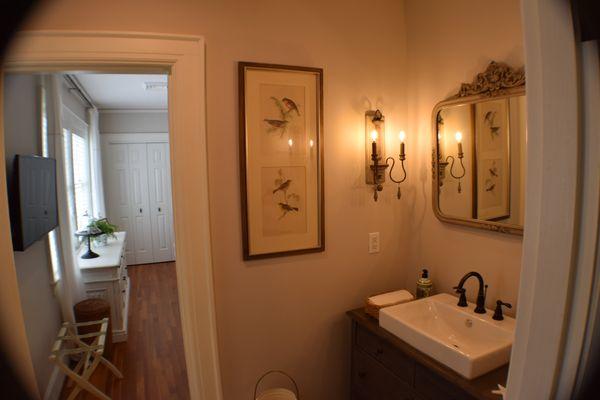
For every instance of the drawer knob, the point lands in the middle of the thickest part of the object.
(362, 375)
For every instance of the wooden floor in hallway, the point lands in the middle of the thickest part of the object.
(152, 359)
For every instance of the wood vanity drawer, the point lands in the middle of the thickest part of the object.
(433, 387)
(386, 353)
(372, 381)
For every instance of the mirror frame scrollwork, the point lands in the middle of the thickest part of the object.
(498, 81)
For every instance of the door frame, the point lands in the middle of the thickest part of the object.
(552, 263)
(183, 57)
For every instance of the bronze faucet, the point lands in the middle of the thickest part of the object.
(462, 301)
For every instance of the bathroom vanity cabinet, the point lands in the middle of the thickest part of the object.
(386, 368)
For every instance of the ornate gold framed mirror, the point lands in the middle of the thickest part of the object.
(478, 158)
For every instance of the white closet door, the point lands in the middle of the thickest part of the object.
(118, 209)
(159, 179)
(138, 183)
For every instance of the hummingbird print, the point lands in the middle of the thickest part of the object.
(291, 105)
(489, 185)
(286, 208)
(287, 110)
(489, 118)
(283, 187)
(277, 124)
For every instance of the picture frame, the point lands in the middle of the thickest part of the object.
(492, 154)
(281, 159)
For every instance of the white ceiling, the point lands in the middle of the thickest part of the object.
(124, 91)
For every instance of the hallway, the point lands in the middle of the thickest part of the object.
(152, 359)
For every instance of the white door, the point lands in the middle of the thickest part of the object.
(159, 185)
(116, 189)
(140, 212)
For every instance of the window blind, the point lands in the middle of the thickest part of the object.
(81, 180)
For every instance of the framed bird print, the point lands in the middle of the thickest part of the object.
(492, 156)
(281, 159)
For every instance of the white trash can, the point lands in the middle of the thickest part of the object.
(276, 393)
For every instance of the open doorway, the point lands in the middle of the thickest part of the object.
(108, 135)
(183, 58)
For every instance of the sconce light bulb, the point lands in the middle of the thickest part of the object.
(458, 137)
(290, 142)
(311, 143)
(374, 135)
(402, 136)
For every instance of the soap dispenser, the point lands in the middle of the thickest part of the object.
(424, 285)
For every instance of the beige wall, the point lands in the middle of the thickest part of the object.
(287, 313)
(133, 122)
(41, 309)
(448, 43)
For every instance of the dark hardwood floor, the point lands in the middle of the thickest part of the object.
(152, 359)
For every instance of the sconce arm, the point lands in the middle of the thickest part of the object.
(392, 169)
(464, 171)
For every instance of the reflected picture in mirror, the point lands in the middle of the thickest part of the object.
(479, 152)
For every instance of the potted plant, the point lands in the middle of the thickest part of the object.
(107, 229)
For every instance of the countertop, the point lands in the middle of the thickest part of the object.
(110, 255)
(480, 388)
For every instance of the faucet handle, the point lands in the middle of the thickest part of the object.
(498, 313)
(462, 300)
(458, 289)
(485, 291)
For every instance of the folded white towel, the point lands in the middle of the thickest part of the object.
(391, 298)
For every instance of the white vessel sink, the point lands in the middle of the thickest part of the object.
(469, 343)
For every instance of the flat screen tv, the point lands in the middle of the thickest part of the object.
(32, 195)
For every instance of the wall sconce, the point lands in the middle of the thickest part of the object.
(375, 141)
(458, 137)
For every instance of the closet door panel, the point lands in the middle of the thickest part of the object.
(160, 201)
(138, 187)
(118, 208)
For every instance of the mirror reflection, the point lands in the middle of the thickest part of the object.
(481, 159)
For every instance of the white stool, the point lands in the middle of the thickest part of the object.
(68, 342)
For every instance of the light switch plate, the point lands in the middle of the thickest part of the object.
(374, 242)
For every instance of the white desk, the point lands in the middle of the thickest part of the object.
(106, 277)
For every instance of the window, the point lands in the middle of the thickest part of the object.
(81, 179)
(77, 168)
